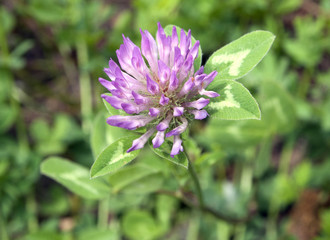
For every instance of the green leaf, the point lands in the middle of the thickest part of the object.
(198, 61)
(302, 174)
(55, 139)
(147, 184)
(66, 129)
(6, 84)
(7, 20)
(325, 222)
(48, 12)
(39, 130)
(278, 107)
(114, 157)
(8, 115)
(75, 177)
(234, 134)
(234, 103)
(56, 203)
(97, 234)
(239, 57)
(131, 175)
(287, 6)
(164, 152)
(139, 224)
(325, 115)
(308, 45)
(22, 48)
(40, 235)
(165, 207)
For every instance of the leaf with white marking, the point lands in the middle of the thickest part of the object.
(114, 157)
(239, 57)
(234, 103)
(75, 177)
(198, 61)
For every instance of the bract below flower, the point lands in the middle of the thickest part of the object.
(163, 93)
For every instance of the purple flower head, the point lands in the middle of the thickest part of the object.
(158, 87)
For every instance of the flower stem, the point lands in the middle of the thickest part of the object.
(192, 172)
(275, 206)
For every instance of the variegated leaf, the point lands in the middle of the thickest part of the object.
(234, 103)
(239, 57)
(114, 157)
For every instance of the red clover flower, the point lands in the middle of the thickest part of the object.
(163, 93)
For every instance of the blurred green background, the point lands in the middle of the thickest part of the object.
(276, 171)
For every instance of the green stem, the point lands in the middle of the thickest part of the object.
(103, 213)
(15, 101)
(31, 209)
(271, 228)
(69, 66)
(22, 136)
(192, 172)
(305, 84)
(240, 232)
(262, 158)
(3, 228)
(3, 42)
(286, 155)
(274, 208)
(223, 230)
(247, 172)
(246, 179)
(85, 85)
(193, 228)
